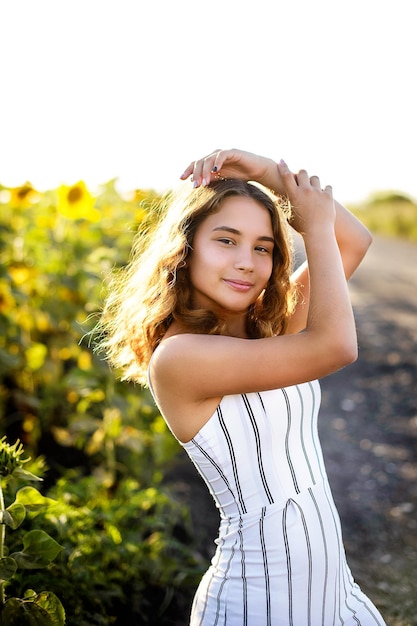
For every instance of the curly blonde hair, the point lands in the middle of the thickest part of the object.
(154, 289)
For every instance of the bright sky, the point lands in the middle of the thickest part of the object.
(136, 89)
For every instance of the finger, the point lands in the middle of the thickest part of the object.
(187, 172)
(315, 182)
(288, 178)
(218, 161)
(198, 176)
(221, 159)
(303, 178)
(194, 170)
(212, 165)
(329, 189)
(200, 170)
(207, 174)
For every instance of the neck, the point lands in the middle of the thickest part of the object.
(235, 327)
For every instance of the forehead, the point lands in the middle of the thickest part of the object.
(243, 213)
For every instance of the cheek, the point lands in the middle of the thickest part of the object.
(268, 276)
(268, 270)
(197, 266)
(209, 258)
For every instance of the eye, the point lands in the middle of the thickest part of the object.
(263, 250)
(226, 240)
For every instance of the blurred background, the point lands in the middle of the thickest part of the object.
(103, 105)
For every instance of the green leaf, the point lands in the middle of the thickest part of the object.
(32, 500)
(52, 605)
(14, 515)
(39, 549)
(19, 472)
(17, 612)
(8, 567)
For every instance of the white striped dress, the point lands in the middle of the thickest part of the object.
(280, 559)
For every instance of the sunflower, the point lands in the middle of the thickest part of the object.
(23, 197)
(76, 202)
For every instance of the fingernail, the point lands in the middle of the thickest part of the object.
(195, 184)
(204, 182)
(214, 170)
(282, 162)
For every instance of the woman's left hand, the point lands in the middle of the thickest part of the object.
(234, 164)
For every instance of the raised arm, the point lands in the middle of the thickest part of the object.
(235, 164)
(190, 372)
(208, 363)
(353, 238)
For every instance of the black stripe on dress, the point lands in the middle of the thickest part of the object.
(208, 457)
(326, 553)
(258, 447)
(310, 560)
(313, 434)
(233, 459)
(215, 566)
(244, 581)
(307, 460)
(265, 561)
(341, 552)
(343, 567)
(222, 584)
(287, 552)
(287, 436)
(368, 608)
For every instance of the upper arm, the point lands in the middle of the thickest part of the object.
(193, 368)
(353, 240)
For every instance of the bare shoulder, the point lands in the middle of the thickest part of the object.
(178, 359)
(198, 367)
(190, 373)
(181, 399)
(191, 363)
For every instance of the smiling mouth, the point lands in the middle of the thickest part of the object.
(239, 285)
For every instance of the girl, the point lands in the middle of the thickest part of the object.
(232, 342)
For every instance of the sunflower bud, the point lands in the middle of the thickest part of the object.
(10, 457)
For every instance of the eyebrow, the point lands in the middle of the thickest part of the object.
(229, 229)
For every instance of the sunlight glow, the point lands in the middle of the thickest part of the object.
(100, 90)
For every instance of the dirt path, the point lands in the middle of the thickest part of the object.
(369, 411)
(369, 431)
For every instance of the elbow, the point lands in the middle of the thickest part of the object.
(335, 351)
(346, 353)
(368, 239)
(351, 353)
(339, 352)
(363, 243)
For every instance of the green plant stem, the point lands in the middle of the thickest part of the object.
(2, 539)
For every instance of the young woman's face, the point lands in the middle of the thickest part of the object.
(231, 259)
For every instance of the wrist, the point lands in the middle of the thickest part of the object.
(318, 233)
(272, 178)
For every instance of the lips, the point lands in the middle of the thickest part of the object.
(239, 285)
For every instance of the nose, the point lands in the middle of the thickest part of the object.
(244, 260)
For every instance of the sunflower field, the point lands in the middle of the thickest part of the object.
(100, 445)
(119, 526)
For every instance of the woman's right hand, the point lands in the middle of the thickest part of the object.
(234, 164)
(312, 206)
